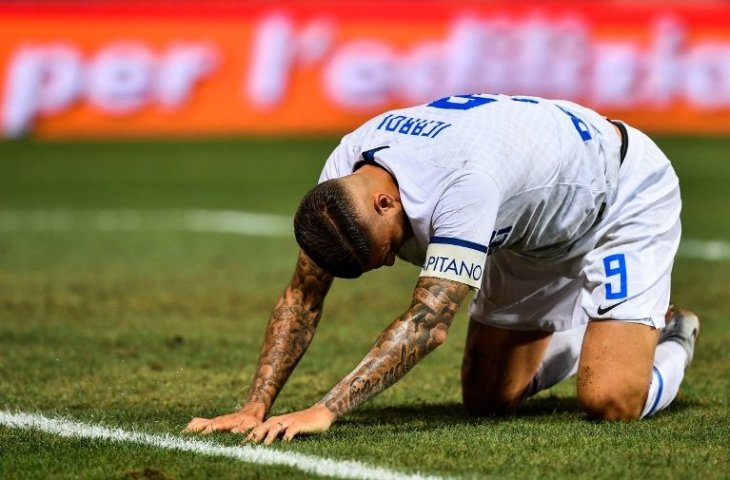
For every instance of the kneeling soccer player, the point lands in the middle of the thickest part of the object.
(565, 223)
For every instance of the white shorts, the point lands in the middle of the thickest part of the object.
(625, 274)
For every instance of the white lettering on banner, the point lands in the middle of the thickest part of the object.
(663, 71)
(120, 78)
(183, 66)
(40, 81)
(276, 48)
(615, 74)
(454, 262)
(708, 76)
(271, 64)
(536, 55)
(423, 65)
(359, 74)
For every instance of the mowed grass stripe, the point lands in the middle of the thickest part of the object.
(221, 221)
(324, 467)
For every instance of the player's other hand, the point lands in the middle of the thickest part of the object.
(315, 419)
(250, 416)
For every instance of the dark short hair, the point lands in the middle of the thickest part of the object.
(327, 229)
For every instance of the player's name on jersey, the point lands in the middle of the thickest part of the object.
(412, 126)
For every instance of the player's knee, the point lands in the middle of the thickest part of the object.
(484, 392)
(483, 401)
(604, 404)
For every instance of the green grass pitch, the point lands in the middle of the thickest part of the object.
(145, 329)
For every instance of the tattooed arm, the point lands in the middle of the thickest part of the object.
(289, 333)
(404, 343)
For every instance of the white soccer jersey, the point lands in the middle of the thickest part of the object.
(482, 172)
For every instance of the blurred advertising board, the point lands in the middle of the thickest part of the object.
(116, 69)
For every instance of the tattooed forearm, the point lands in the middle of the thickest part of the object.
(290, 331)
(403, 344)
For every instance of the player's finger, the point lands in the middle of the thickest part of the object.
(274, 432)
(245, 426)
(207, 428)
(222, 424)
(257, 433)
(215, 425)
(290, 432)
(196, 424)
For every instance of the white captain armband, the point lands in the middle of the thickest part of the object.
(455, 259)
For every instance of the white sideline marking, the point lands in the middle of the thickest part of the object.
(324, 467)
(220, 221)
(705, 249)
(215, 221)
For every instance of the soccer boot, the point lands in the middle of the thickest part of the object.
(682, 326)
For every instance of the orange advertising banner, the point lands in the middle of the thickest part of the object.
(114, 69)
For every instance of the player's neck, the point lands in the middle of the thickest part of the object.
(380, 178)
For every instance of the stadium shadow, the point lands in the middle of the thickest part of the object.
(427, 417)
(438, 415)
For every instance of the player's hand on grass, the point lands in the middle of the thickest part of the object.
(315, 419)
(250, 416)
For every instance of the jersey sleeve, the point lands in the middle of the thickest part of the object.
(341, 161)
(463, 221)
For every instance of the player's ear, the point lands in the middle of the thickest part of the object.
(383, 202)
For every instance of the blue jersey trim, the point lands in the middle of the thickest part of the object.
(460, 243)
(369, 155)
(660, 389)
